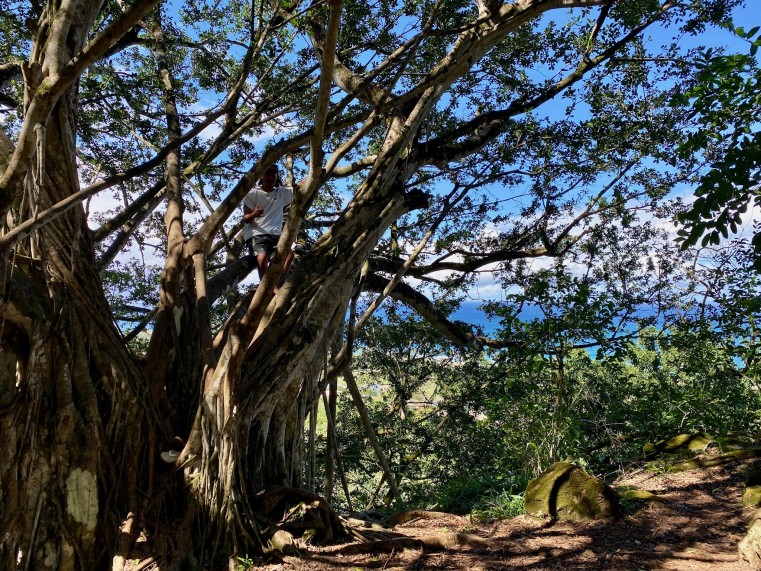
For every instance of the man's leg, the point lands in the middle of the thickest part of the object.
(286, 267)
(262, 263)
(260, 249)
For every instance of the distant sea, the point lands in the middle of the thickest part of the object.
(470, 313)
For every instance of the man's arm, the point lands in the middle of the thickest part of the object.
(249, 215)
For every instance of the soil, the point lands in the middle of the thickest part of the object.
(696, 528)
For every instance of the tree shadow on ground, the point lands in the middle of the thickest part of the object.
(696, 528)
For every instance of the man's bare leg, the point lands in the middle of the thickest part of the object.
(262, 263)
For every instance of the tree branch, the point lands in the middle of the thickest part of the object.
(485, 127)
(51, 88)
(425, 308)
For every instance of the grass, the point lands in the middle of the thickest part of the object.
(498, 505)
(484, 500)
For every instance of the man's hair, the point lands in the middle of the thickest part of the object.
(273, 167)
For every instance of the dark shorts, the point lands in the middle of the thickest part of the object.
(262, 242)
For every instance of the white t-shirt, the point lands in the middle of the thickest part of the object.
(271, 222)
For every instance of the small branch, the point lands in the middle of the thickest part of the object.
(328, 58)
(359, 404)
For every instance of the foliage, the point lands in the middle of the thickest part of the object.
(465, 494)
(495, 506)
(726, 98)
(504, 421)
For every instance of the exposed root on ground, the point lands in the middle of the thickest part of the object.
(441, 542)
(410, 515)
(709, 461)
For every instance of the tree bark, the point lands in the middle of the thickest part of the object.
(75, 414)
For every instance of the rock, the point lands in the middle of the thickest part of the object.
(708, 461)
(566, 492)
(750, 546)
(281, 543)
(633, 499)
(733, 441)
(694, 442)
(752, 496)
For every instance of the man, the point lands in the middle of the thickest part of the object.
(263, 219)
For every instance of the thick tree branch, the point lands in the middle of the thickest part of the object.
(479, 131)
(425, 308)
(486, 33)
(10, 71)
(328, 58)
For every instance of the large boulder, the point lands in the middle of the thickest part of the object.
(567, 492)
(750, 546)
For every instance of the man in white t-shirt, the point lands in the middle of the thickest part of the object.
(263, 219)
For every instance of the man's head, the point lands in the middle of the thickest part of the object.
(270, 178)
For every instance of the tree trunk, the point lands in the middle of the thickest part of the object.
(250, 403)
(71, 390)
(76, 425)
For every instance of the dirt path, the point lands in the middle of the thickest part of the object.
(696, 528)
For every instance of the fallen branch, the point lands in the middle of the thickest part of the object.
(718, 460)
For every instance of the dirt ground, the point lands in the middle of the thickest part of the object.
(696, 528)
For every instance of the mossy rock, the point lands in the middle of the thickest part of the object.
(281, 544)
(707, 461)
(733, 441)
(633, 499)
(752, 496)
(695, 442)
(566, 492)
